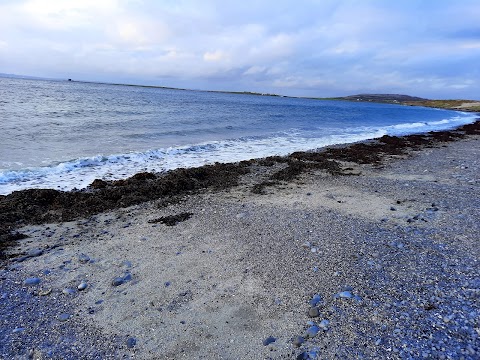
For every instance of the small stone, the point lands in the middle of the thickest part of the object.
(35, 252)
(392, 209)
(344, 295)
(298, 341)
(63, 317)
(312, 331)
(82, 286)
(303, 356)
(269, 340)
(45, 292)
(83, 258)
(17, 330)
(131, 342)
(32, 281)
(127, 263)
(68, 291)
(315, 300)
(118, 281)
(324, 324)
(313, 312)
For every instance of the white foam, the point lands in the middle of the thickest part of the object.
(79, 173)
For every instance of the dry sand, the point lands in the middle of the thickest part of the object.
(400, 244)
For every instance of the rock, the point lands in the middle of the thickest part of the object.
(32, 281)
(298, 341)
(68, 291)
(63, 317)
(35, 252)
(312, 331)
(324, 324)
(45, 292)
(118, 281)
(82, 286)
(344, 295)
(315, 300)
(131, 342)
(17, 330)
(83, 258)
(269, 340)
(313, 312)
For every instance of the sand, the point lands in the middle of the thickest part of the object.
(398, 242)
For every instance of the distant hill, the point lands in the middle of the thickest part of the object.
(463, 105)
(387, 98)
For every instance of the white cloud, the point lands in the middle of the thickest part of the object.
(320, 46)
(215, 56)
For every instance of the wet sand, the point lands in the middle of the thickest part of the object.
(224, 262)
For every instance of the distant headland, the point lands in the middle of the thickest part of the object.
(458, 104)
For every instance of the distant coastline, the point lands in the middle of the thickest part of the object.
(398, 99)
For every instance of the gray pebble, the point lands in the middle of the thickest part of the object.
(324, 324)
(315, 300)
(131, 342)
(313, 312)
(269, 340)
(344, 295)
(312, 331)
(68, 291)
(118, 281)
(83, 258)
(35, 252)
(63, 317)
(298, 341)
(32, 281)
(82, 286)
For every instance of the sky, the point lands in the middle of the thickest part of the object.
(314, 48)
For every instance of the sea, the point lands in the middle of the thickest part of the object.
(65, 134)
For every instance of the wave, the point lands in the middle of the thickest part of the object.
(79, 173)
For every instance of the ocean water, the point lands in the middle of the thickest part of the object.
(63, 135)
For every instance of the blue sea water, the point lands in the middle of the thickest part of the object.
(63, 135)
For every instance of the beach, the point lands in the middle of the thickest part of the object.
(364, 251)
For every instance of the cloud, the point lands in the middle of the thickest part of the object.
(311, 48)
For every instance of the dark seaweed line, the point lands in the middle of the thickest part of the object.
(36, 206)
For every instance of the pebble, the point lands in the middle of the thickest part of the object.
(117, 281)
(83, 258)
(63, 317)
(68, 291)
(313, 312)
(315, 300)
(298, 341)
(45, 292)
(269, 340)
(324, 324)
(32, 281)
(131, 342)
(82, 286)
(312, 331)
(17, 330)
(35, 252)
(344, 295)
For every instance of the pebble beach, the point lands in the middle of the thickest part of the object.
(374, 260)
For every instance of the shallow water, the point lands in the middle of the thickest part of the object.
(59, 134)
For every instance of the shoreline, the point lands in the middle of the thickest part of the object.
(36, 206)
(312, 263)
